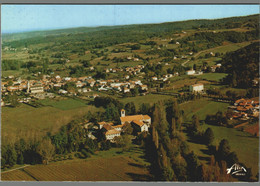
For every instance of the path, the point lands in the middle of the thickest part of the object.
(15, 169)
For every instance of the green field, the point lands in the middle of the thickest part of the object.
(202, 107)
(26, 121)
(151, 98)
(65, 104)
(212, 76)
(244, 144)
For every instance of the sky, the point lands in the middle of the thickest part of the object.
(19, 18)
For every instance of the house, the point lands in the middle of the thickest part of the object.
(154, 78)
(141, 118)
(190, 72)
(126, 90)
(12, 88)
(197, 88)
(35, 88)
(91, 82)
(131, 86)
(144, 87)
(106, 124)
(67, 78)
(140, 126)
(118, 127)
(199, 72)
(2, 103)
(61, 91)
(111, 134)
(79, 84)
(109, 131)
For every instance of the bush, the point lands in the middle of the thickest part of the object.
(77, 155)
(70, 157)
(84, 153)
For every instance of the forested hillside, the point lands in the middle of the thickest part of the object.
(242, 66)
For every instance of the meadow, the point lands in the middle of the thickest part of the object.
(65, 104)
(27, 121)
(150, 98)
(244, 144)
(212, 76)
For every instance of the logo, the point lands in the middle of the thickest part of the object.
(236, 170)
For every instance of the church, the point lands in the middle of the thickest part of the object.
(139, 122)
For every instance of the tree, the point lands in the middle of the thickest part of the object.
(203, 173)
(85, 63)
(13, 100)
(20, 159)
(46, 149)
(130, 108)
(224, 149)
(195, 123)
(194, 67)
(232, 158)
(11, 156)
(192, 165)
(209, 136)
(134, 92)
(127, 142)
(127, 128)
(144, 108)
(155, 137)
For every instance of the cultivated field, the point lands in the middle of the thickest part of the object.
(112, 165)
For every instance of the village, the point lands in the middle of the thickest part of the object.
(44, 86)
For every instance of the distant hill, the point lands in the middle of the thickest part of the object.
(138, 29)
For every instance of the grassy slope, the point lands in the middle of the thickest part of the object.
(246, 146)
(26, 120)
(212, 76)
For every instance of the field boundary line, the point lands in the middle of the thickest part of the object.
(15, 169)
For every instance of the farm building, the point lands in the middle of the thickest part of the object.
(196, 88)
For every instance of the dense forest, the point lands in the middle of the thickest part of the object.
(242, 66)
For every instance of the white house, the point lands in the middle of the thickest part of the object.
(190, 72)
(110, 134)
(140, 126)
(61, 91)
(196, 88)
(126, 90)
